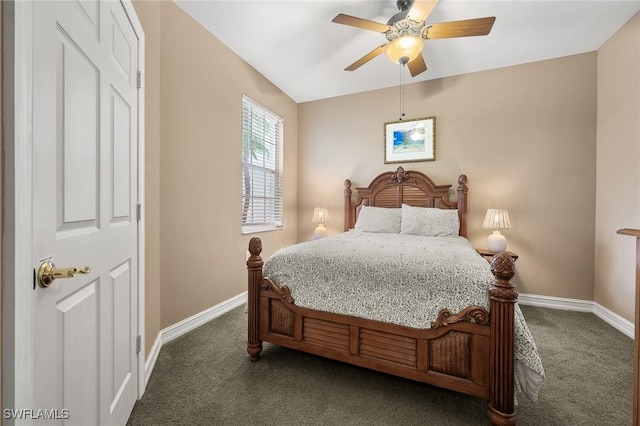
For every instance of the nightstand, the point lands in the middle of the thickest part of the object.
(489, 254)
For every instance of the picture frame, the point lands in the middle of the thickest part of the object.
(409, 141)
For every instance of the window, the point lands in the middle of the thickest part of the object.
(261, 168)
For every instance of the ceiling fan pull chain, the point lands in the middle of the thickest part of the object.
(400, 115)
(402, 92)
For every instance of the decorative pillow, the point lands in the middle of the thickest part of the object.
(431, 222)
(379, 219)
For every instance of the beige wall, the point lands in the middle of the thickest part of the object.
(525, 137)
(195, 249)
(618, 169)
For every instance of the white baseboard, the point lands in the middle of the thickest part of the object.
(152, 357)
(615, 320)
(183, 327)
(608, 316)
(555, 302)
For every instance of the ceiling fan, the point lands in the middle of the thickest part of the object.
(407, 29)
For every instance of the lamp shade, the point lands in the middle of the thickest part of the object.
(321, 215)
(404, 49)
(497, 219)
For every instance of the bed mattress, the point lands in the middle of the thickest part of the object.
(397, 278)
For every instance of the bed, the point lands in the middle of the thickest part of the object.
(475, 342)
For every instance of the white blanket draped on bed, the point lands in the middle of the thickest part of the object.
(397, 278)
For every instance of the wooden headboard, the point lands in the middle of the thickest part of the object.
(392, 189)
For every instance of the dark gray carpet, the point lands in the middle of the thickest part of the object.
(206, 378)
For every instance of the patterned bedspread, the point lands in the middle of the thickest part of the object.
(397, 278)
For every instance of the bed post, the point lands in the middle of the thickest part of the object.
(462, 204)
(348, 211)
(254, 266)
(503, 295)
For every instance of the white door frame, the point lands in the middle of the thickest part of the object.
(17, 266)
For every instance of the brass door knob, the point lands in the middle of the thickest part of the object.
(48, 272)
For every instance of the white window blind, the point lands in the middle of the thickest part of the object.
(262, 135)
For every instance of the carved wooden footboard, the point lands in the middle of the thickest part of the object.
(469, 351)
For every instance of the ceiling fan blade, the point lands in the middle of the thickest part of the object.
(417, 66)
(360, 23)
(366, 58)
(421, 10)
(466, 28)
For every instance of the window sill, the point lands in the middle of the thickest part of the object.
(260, 229)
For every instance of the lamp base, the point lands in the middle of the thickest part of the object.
(496, 242)
(320, 232)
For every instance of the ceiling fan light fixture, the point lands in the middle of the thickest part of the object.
(404, 49)
(407, 29)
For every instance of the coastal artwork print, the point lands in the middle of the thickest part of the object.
(410, 140)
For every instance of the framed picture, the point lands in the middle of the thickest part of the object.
(410, 140)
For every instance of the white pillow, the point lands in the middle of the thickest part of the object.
(379, 219)
(431, 222)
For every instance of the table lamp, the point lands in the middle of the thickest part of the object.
(320, 216)
(497, 219)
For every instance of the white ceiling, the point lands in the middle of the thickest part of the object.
(296, 46)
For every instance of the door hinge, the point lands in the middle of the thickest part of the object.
(139, 83)
(138, 212)
(138, 344)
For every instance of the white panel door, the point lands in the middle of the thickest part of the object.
(85, 129)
